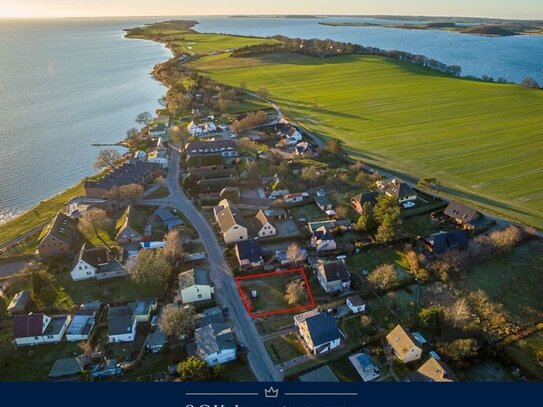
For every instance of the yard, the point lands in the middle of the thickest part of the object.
(284, 348)
(524, 354)
(270, 290)
(369, 258)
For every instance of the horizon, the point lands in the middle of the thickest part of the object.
(493, 9)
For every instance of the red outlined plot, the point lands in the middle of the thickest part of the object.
(247, 301)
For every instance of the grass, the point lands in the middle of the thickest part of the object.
(162, 192)
(369, 259)
(480, 139)
(207, 43)
(514, 279)
(523, 353)
(30, 363)
(38, 216)
(271, 292)
(284, 348)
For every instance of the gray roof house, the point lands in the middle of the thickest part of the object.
(319, 331)
(216, 344)
(334, 276)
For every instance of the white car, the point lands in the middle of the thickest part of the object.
(233, 135)
(254, 294)
(409, 205)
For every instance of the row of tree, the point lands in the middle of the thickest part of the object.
(327, 48)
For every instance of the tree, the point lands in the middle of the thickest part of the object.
(459, 350)
(505, 240)
(342, 211)
(131, 192)
(107, 159)
(361, 178)
(310, 175)
(95, 220)
(132, 137)
(529, 82)
(174, 249)
(162, 101)
(431, 316)
(263, 92)
(414, 265)
(177, 322)
(333, 147)
(366, 221)
(384, 276)
(296, 293)
(294, 253)
(150, 266)
(144, 118)
(386, 208)
(194, 369)
(386, 231)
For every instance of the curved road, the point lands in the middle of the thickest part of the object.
(225, 286)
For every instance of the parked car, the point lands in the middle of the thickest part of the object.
(409, 205)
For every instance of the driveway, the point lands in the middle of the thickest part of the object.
(225, 286)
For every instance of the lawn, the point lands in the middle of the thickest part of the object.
(40, 215)
(30, 363)
(271, 292)
(368, 259)
(284, 348)
(482, 140)
(523, 354)
(162, 192)
(514, 279)
(196, 44)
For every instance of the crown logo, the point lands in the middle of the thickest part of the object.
(271, 393)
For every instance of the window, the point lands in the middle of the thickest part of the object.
(199, 296)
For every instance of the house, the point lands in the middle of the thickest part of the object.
(401, 191)
(358, 201)
(130, 226)
(276, 188)
(59, 237)
(194, 286)
(441, 242)
(94, 262)
(282, 257)
(158, 130)
(231, 222)
(142, 308)
(131, 172)
(169, 219)
(226, 148)
(121, 324)
(319, 331)
(140, 155)
(158, 157)
(344, 224)
(323, 203)
(464, 215)
(303, 149)
(215, 343)
(333, 276)
(275, 214)
(356, 304)
(263, 226)
(34, 329)
(294, 134)
(249, 254)
(295, 197)
(156, 340)
(205, 129)
(404, 345)
(433, 370)
(67, 368)
(322, 240)
(83, 322)
(365, 367)
(19, 303)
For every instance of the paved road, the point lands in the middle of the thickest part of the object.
(225, 286)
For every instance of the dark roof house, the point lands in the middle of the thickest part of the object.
(441, 242)
(463, 214)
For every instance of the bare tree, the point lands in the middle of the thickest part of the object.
(294, 253)
(96, 221)
(530, 83)
(174, 249)
(505, 240)
(107, 159)
(383, 276)
(144, 118)
(150, 266)
(334, 147)
(296, 293)
(176, 321)
(458, 313)
(310, 175)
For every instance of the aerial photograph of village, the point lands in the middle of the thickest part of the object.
(271, 193)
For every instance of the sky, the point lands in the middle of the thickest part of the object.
(522, 9)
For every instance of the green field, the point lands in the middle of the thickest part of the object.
(483, 141)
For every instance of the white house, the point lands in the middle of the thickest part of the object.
(216, 343)
(121, 324)
(194, 286)
(319, 330)
(264, 227)
(356, 304)
(34, 329)
(296, 197)
(158, 157)
(400, 190)
(93, 262)
(83, 322)
(322, 240)
(231, 222)
(404, 345)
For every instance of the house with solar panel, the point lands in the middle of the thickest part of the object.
(83, 322)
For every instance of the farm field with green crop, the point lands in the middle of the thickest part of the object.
(482, 141)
